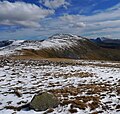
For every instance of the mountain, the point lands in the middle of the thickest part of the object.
(62, 46)
(5, 43)
(107, 43)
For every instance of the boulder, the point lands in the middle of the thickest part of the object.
(44, 101)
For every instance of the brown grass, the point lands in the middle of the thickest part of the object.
(82, 102)
(118, 90)
(73, 110)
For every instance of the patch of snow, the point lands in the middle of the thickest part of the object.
(34, 77)
(61, 41)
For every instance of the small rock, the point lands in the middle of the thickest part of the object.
(18, 93)
(118, 107)
(73, 110)
(44, 101)
(14, 113)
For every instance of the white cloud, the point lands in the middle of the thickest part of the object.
(53, 4)
(77, 25)
(21, 13)
(105, 23)
(70, 19)
(100, 24)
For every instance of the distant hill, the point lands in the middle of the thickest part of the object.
(107, 43)
(5, 43)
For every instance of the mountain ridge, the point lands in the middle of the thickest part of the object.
(64, 46)
(107, 43)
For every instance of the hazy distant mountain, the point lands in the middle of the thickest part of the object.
(5, 43)
(107, 43)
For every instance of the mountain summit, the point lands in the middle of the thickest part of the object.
(65, 36)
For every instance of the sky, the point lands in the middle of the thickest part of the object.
(39, 19)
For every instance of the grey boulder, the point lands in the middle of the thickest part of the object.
(44, 101)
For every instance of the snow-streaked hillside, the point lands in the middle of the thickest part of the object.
(56, 41)
(62, 46)
(11, 49)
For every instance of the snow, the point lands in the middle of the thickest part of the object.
(18, 42)
(10, 49)
(32, 76)
(61, 41)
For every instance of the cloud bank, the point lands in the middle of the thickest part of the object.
(21, 13)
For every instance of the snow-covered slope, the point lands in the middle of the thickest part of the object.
(56, 41)
(92, 87)
(11, 49)
(61, 41)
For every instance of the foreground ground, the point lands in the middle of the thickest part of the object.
(83, 87)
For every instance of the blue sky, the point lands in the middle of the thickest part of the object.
(38, 19)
